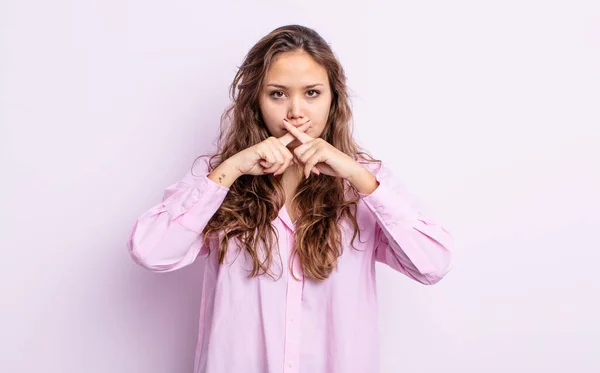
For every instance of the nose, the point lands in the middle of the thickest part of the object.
(296, 110)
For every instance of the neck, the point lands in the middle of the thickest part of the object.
(290, 179)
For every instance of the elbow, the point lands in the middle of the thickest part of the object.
(431, 279)
(439, 264)
(135, 252)
(139, 251)
(150, 264)
(440, 271)
(164, 255)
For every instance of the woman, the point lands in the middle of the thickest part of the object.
(290, 218)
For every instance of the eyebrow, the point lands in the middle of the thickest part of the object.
(284, 87)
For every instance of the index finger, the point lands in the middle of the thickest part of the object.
(289, 137)
(303, 137)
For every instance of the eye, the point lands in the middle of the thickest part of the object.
(275, 94)
(316, 93)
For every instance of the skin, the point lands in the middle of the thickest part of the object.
(295, 88)
(294, 102)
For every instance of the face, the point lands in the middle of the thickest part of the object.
(297, 88)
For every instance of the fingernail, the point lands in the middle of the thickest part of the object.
(275, 175)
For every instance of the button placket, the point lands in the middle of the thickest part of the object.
(292, 314)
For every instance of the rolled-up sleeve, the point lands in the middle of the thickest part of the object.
(169, 235)
(407, 238)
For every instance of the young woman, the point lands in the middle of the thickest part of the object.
(290, 218)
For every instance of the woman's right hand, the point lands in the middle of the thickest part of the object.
(268, 156)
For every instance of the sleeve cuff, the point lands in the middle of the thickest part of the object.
(201, 203)
(390, 203)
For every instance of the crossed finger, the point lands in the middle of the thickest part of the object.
(296, 133)
(280, 150)
(289, 137)
(302, 137)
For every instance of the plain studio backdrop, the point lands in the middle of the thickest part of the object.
(487, 110)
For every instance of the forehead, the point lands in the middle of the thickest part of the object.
(296, 69)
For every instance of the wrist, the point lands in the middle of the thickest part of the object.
(226, 173)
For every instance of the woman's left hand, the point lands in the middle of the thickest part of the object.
(318, 153)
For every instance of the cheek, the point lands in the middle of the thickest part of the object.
(322, 113)
(324, 107)
(272, 112)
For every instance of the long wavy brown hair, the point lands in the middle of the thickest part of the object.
(253, 202)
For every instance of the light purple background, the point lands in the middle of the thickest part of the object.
(488, 110)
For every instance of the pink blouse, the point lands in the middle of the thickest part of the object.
(260, 325)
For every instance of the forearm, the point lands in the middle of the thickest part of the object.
(225, 174)
(363, 180)
(168, 236)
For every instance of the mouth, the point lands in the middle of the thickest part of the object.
(299, 124)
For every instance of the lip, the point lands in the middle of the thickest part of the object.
(299, 124)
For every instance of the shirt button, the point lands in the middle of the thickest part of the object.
(380, 208)
(292, 319)
(289, 364)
